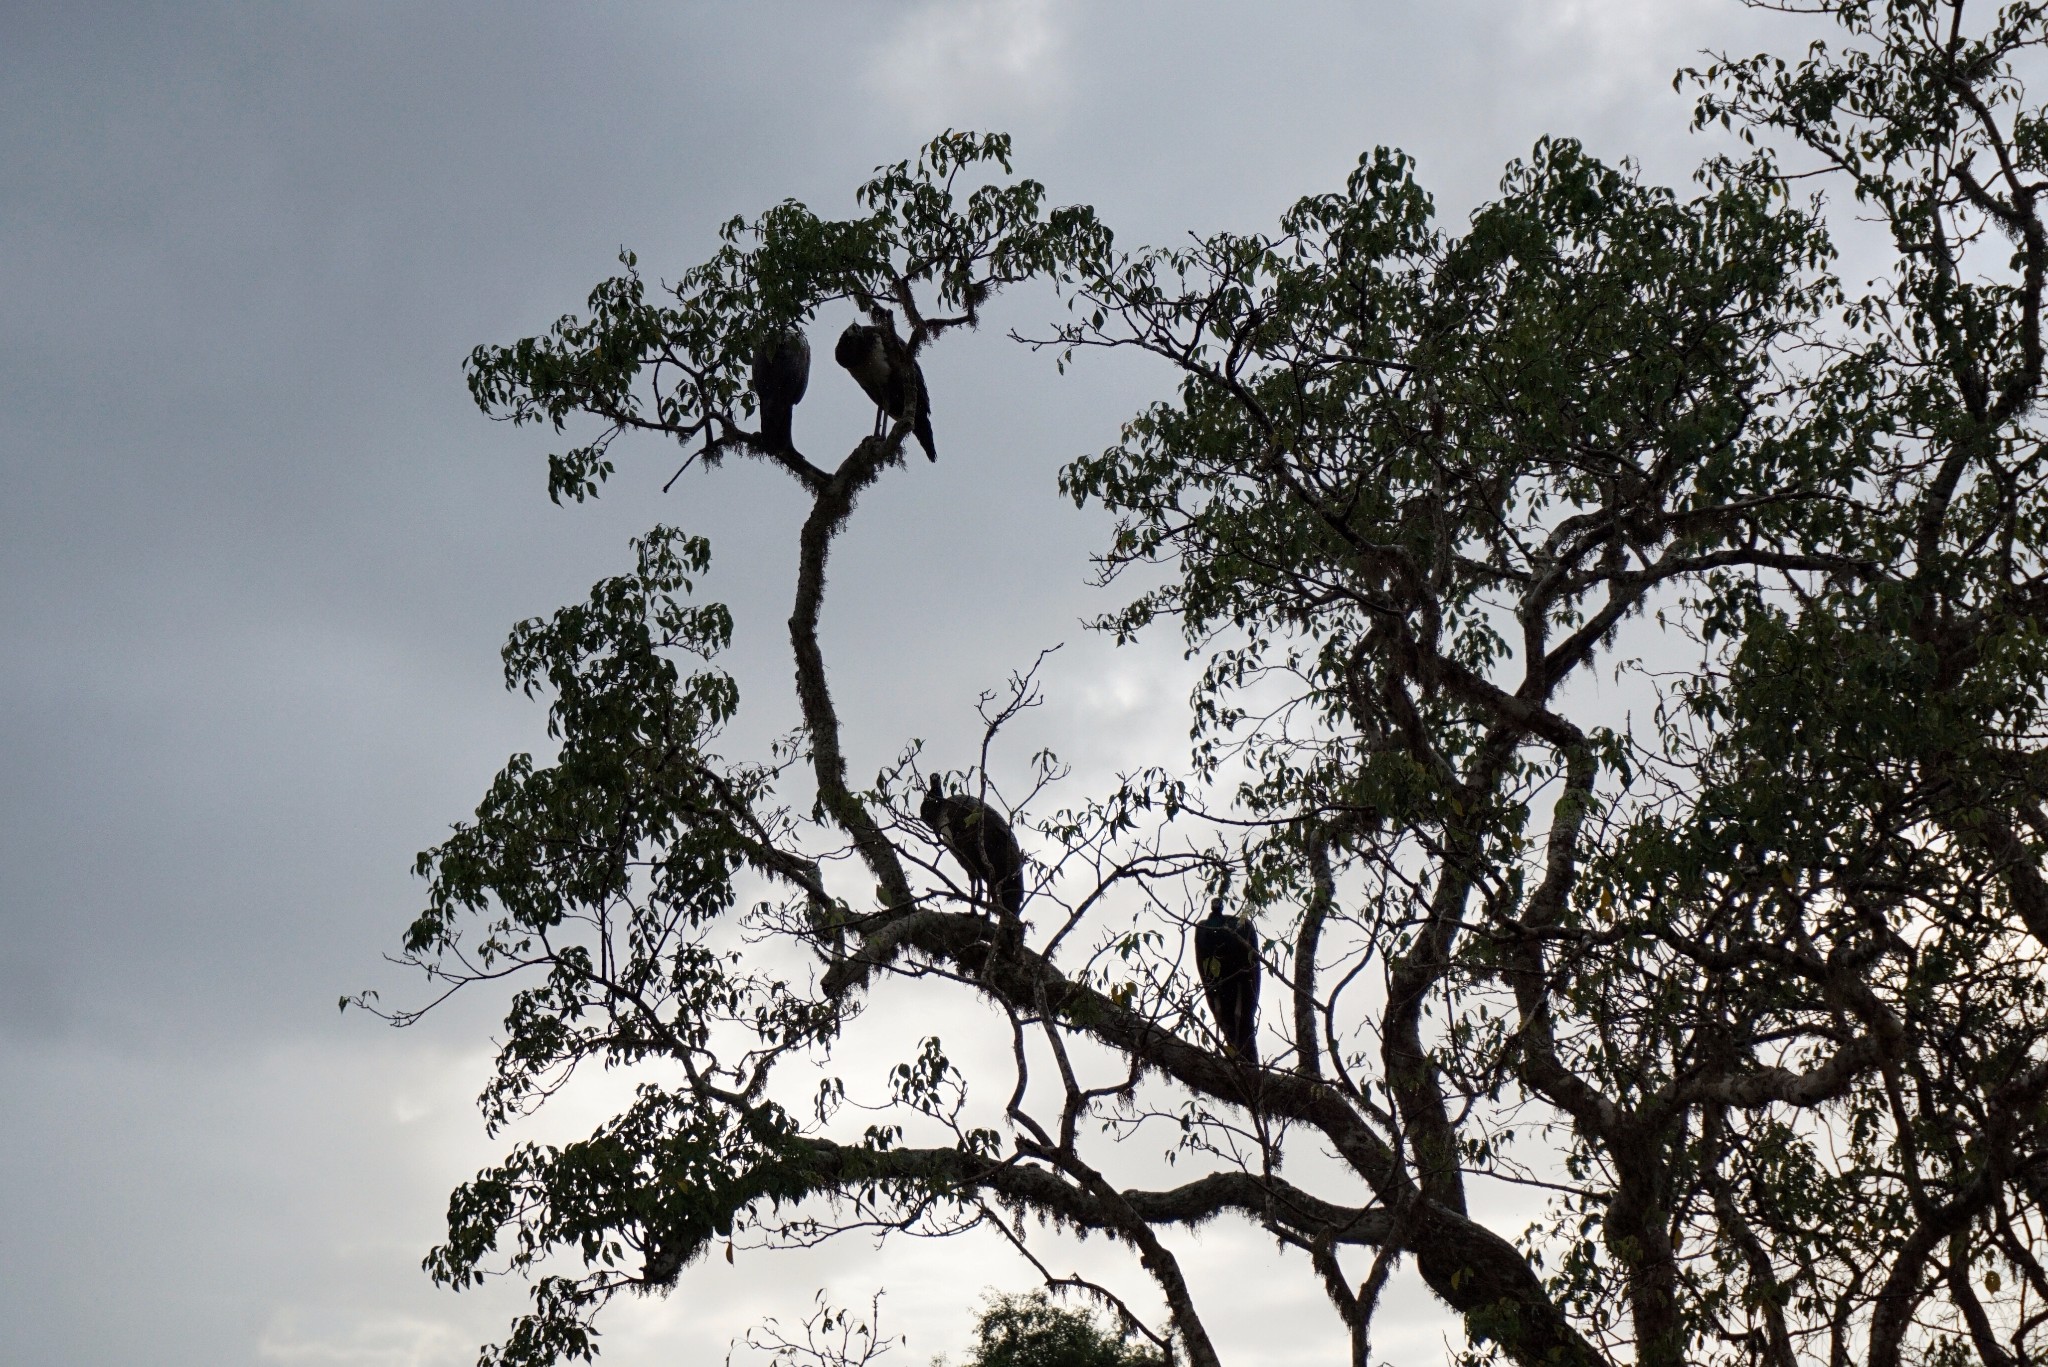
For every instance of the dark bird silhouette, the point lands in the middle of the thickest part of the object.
(1227, 957)
(877, 359)
(782, 372)
(981, 840)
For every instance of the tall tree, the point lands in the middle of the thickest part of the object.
(1749, 980)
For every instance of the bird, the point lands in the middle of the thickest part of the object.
(1227, 957)
(981, 840)
(782, 372)
(884, 368)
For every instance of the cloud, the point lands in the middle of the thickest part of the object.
(295, 1339)
(1612, 44)
(983, 61)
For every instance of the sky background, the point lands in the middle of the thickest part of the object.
(258, 552)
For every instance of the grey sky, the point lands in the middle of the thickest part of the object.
(258, 551)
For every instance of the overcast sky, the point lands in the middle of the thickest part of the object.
(258, 551)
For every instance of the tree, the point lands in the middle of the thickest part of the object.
(1748, 978)
(1031, 1331)
(1011, 1331)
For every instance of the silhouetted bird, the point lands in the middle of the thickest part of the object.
(884, 368)
(1227, 956)
(981, 840)
(782, 372)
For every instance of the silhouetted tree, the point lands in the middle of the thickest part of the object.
(1744, 974)
(1033, 1331)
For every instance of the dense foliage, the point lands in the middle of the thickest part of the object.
(1745, 974)
(1033, 1331)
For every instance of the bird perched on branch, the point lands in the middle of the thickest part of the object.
(884, 368)
(782, 372)
(1227, 957)
(981, 840)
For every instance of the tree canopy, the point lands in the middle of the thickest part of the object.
(1746, 980)
(1031, 1331)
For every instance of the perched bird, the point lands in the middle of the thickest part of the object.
(981, 840)
(782, 372)
(876, 357)
(1227, 957)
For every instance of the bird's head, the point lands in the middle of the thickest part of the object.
(857, 344)
(935, 795)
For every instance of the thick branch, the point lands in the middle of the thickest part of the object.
(1472, 1269)
(1322, 892)
(828, 514)
(1536, 1055)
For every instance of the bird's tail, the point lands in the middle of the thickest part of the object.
(1010, 892)
(776, 424)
